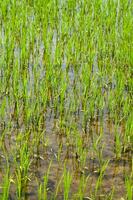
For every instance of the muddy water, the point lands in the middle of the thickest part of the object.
(114, 175)
(113, 178)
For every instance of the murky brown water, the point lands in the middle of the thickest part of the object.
(114, 176)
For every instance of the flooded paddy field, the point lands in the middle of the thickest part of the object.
(66, 88)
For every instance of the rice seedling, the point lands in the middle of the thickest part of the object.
(67, 183)
(43, 188)
(118, 146)
(82, 187)
(6, 185)
(129, 187)
(99, 181)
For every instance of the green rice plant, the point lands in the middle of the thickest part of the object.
(129, 187)
(100, 178)
(59, 153)
(118, 145)
(46, 182)
(86, 71)
(6, 185)
(22, 169)
(128, 138)
(81, 152)
(58, 187)
(82, 187)
(3, 108)
(98, 148)
(67, 183)
(110, 196)
(19, 183)
(42, 190)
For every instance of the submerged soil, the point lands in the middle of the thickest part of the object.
(54, 141)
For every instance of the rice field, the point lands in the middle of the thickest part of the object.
(66, 109)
